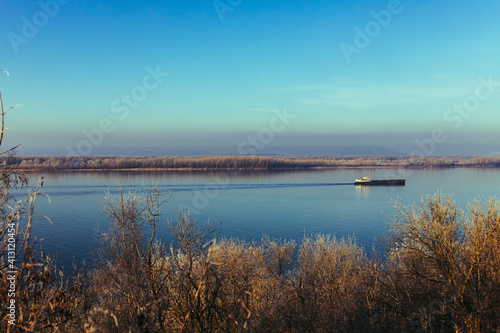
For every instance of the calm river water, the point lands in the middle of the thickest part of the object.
(250, 204)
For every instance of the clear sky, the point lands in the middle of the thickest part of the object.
(406, 75)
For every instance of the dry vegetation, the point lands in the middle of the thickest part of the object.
(49, 163)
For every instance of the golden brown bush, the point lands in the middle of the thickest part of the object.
(444, 267)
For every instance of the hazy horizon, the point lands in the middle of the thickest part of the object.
(453, 150)
(130, 78)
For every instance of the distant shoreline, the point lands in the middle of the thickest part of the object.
(216, 169)
(253, 169)
(236, 163)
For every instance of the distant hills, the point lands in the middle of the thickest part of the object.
(448, 150)
(273, 151)
(330, 151)
(224, 150)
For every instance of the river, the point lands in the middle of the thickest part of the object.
(287, 204)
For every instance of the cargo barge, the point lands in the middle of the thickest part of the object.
(386, 182)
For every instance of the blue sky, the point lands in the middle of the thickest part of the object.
(352, 73)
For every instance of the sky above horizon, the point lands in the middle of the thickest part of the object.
(417, 77)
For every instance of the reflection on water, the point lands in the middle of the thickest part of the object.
(250, 204)
(362, 192)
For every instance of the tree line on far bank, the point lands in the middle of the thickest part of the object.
(49, 163)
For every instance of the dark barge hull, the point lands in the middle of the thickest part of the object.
(384, 182)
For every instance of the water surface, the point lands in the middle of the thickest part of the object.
(250, 204)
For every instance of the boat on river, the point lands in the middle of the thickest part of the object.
(370, 181)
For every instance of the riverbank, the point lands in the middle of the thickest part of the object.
(226, 163)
